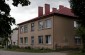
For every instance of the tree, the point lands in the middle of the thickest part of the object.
(6, 21)
(78, 8)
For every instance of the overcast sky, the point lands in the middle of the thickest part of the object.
(22, 14)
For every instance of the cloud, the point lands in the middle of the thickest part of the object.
(22, 14)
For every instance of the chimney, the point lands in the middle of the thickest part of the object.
(61, 9)
(47, 9)
(54, 10)
(61, 6)
(40, 11)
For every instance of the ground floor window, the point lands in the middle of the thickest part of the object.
(26, 40)
(77, 40)
(48, 39)
(32, 40)
(40, 39)
(21, 40)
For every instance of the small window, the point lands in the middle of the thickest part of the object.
(75, 24)
(21, 40)
(48, 23)
(21, 29)
(26, 40)
(32, 26)
(25, 28)
(32, 40)
(48, 39)
(77, 40)
(40, 24)
(40, 39)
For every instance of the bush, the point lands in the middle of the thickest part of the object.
(1, 46)
(9, 46)
(67, 49)
(28, 47)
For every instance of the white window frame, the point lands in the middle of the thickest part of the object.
(41, 39)
(40, 25)
(75, 24)
(26, 40)
(21, 29)
(26, 28)
(32, 26)
(48, 23)
(21, 42)
(49, 40)
(32, 40)
(77, 43)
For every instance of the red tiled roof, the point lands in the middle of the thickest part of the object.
(62, 11)
(42, 17)
(65, 10)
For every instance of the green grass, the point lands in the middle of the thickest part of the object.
(39, 50)
(76, 53)
(31, 50)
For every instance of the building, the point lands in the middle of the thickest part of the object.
(52, 30)
(14, 37)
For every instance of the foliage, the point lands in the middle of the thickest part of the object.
(78, 8)
(80, 31)
(6, 21)
(76, 53)
(29, 49)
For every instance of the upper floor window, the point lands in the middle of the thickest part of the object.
(48, 23)
(41, 25)
(25, 28)
(21, 29)
(75, 24)
(40, 39)
(26, 40)
(32, 26)
(48, 39)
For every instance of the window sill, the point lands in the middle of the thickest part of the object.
(43, 29)
(21, 44)
(40, 43)
(26, 44)
(48, 44)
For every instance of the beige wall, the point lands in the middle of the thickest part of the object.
(14, 37)
(36, 33)
(63, 32)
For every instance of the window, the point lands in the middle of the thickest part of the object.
(21, 40)
(32, 40)
(75, 24)
(48, 23)
(21, 29)
(25, 28)
(32, 26)
(26, 40)
(40, 25)
(40, 39)
(77, 40)
(48, 39)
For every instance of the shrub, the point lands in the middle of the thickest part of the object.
(28, 47)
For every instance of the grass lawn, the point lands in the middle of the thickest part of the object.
(41, 50)
(76, 53)
(31, 50)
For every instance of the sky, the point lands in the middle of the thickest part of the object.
(25, 13)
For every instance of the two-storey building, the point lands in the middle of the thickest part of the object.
(52, 30)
